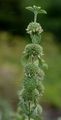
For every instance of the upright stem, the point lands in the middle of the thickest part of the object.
(29, 111)
(35, 16)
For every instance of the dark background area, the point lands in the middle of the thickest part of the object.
(14, 18)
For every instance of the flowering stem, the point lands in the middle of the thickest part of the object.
(33, 73)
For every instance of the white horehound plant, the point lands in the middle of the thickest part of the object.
(32, 88)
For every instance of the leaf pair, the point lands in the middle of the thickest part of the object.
(36, 9)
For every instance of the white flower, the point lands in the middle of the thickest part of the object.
(34, 28)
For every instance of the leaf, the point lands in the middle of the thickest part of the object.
(32, 108)
(42, 11)
(36, 39)
(24, 107)
(36, 9)
(30, 8)
(37, 112)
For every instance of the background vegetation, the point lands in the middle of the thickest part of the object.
(13, 21)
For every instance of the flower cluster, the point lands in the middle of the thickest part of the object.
(34, 28)
(32, 52)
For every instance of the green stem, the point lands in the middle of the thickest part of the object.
(35, 16)
(29, 111)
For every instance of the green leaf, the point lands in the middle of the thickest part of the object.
(42, 11)
(36, 39)
(29, 84)
(24, 107)
(37, 112)
(36, 9)
(30, 8)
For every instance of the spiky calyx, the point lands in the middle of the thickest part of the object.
(32, 52)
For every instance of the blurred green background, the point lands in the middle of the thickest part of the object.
(14, 18)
